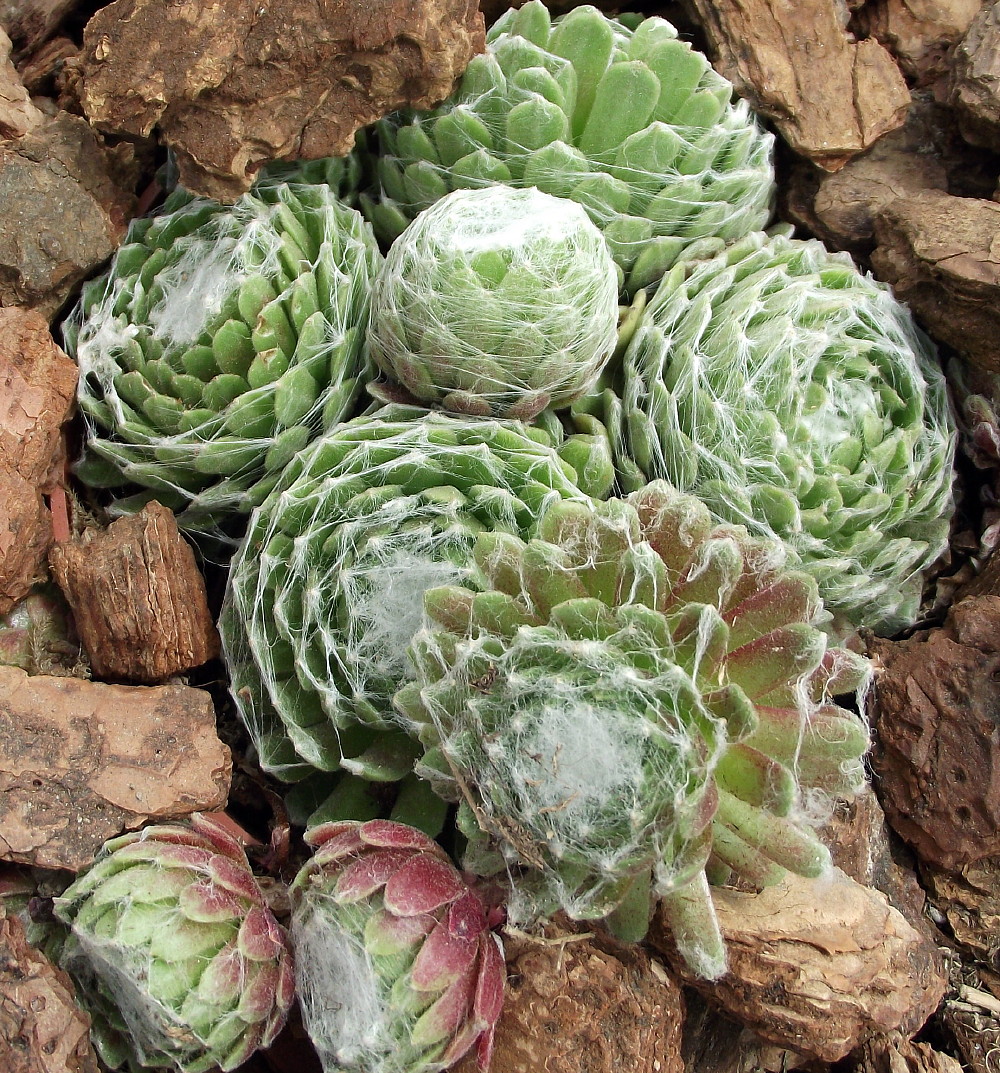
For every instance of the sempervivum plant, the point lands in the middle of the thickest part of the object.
(396, 967)
(326, 591)
(795, 396)
(631, 123)
(631, 696)
(496, 302)
(222, 340)
(176, 950)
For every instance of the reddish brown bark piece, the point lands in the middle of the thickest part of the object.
(976, 79)
(30, 22)
(575, 1004)
(970, 900)
(25, 536)
(921, 34)
(936, 712)
(42, 1030)
(896, 1054)
(829, 96)
(37, 392)
(818, 966)
(62, 213)
(17, 114)
(138, 597)
(715, 1043)
(235, 83)
(82, 761)
(942, 256)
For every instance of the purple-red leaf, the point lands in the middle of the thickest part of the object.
(444, 957)
(363, 877)
(422, 885)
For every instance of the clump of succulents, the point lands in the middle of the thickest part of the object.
(397, 969)
(620, 116)
(795, 396)
(630, 697)
(176, 951)
(496, 302)
(326, 591)
(221, 342)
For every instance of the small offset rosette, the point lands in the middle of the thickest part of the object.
(175, 950)
(397, 968)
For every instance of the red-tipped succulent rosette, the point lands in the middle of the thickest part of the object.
(180, 960)
(396, 966)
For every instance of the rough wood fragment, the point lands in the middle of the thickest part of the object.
(25, 536)
(935, 711)
(138, 597)
(942, 256)
(42, 1030)
(82, 761)
(969, 897)
(819, 966)
(976, 79)
(235, 83)
(830, 96)
(17, 114)
(30, 22)
(921, 34)
(896, 1054)
(37, 393)
(579, 1004)
(975, 1025)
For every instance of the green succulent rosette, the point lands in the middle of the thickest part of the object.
(327, 588)
(175, 951)
(496, 303)
(222, 341)
(632, 123)
(628, 699)
(343, 174)
(795, 396)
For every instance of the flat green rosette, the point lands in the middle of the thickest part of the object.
(496, 303)
(327, 589)
(632, 123)
(628, 699)
(221, 342)
(795, 396)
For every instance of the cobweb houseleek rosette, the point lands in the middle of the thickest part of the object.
(795, 396)
(176, 951)
(326, 591)
(630, 122)
(222, 340)
(496, 302)
(397, 969)
(630, 697)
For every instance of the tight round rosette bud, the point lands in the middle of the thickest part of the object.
(327, 589)
(175, 950)
(496, 303)
(795, 396)
(396, 966)
(616, 114)
(630, 698)
(221, 342)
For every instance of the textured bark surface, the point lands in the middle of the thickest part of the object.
(81, 761)
(30, 22)
(585, 1005)
(896, 1054)
(976, 79)
(62, 213)
(232, 84)
(25, 536)
(42, 1030)
(830, 96)
(921, 34)
(936, 713)
(942, 256)
(17, 114)
(819, 966)
(138, 597)
(970, 900)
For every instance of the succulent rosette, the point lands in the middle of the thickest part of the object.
(327, 588)
(396, 966)
(176, 951)
(496, 303)
(618, 115)
(221, 342)
(39, 636)
(343, 174)
(630, 697)
(795, 396)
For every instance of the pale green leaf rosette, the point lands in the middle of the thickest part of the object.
(175, 951)
(632, 123)
(223, 340)
(496, 303)
(631, 698)
(795, 396)
(327, 589)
